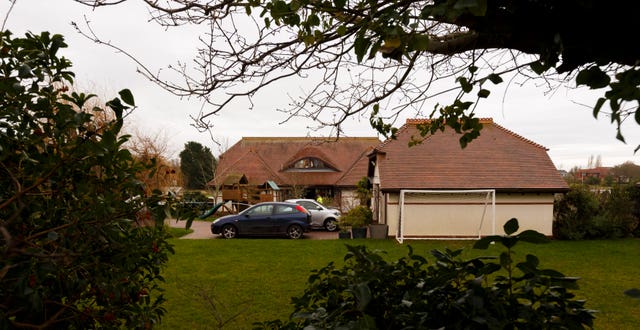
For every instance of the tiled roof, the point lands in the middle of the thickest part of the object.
(266, 158)
(497, 159)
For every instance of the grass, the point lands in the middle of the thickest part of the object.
(233, 283)
(178, 232)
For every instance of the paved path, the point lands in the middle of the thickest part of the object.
(202, 230)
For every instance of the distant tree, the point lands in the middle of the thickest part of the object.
(197, 165)
(153, 149)
(73, 254)
(594, 161)
(627, 170)
(384, 57)
(592, 180)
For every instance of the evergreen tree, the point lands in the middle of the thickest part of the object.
(197, 164)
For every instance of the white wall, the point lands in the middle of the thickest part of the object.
(461, 217)
(348, 199)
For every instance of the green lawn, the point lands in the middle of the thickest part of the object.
(210, 282)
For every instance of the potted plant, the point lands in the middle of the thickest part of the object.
(358, 218)
(344, 227)
(345, 231)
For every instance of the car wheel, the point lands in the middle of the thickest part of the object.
(331, 224)
(229, 231)
(295, 231)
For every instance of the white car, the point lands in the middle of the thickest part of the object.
(321, 217)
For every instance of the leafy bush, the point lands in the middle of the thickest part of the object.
(481, 293)
(617, 207)
(573, 213)
(74, 254)
(584, 214)
(357, 217)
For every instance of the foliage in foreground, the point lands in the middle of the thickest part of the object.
(78, 247)
(480, 293)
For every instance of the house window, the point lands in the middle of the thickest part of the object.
(310, 164)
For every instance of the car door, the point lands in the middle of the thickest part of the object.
(283, 216)
(257, 220)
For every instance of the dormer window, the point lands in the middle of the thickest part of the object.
(310, 164)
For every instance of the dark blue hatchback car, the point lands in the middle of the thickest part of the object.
(265, 219)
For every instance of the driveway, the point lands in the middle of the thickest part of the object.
(202, 230)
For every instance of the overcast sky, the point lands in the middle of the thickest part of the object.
(559, 122)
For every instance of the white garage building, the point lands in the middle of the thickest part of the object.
(456, 204)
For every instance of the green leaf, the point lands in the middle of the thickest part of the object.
(508, 241)
(279, 9)
(374, 49)
(342, 30)
(511, 226)
(117, 107)
(538, 67)
(419, 42)
(127, 97)
(484, 242)
(593, 77)
(363, 295)
(361, 45)
(505, 260)
(308, 40)
(24, 71)
(533, 260)
(533, 236)
(495, 78)
(464, 83)
(556, 274)
(313, 20)
(598, 106)
(483, 93)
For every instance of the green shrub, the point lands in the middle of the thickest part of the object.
(78, 245)
(357, 217)
(481, 293)
(634, 196)
(583, 214)
(617, 207)
(573, 213)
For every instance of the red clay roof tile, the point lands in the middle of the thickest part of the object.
(497, 159)
(266, 158)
